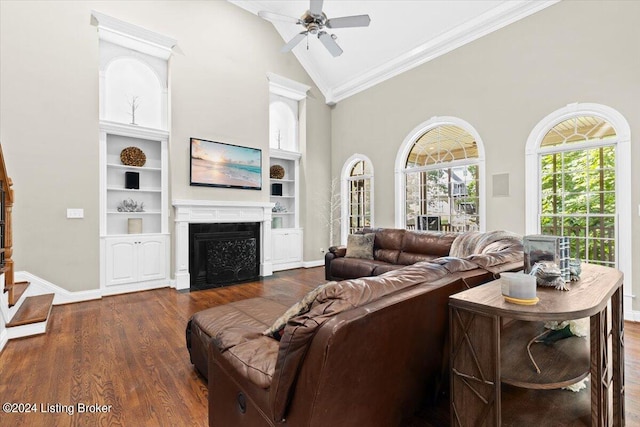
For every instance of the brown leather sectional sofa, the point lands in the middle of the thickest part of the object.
(397, 248)
(368, 351)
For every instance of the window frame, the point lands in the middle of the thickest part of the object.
(345, 180)
(622, 142)
(403, 154)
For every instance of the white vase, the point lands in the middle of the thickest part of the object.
(135, 225)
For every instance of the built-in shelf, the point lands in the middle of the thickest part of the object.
(287, 236)
(135, 245)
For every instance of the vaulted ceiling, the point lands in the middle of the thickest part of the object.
(402, 35)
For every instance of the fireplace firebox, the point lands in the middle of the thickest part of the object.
(222, 254)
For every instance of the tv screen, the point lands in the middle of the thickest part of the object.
(217, 164)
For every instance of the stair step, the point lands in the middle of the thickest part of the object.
(18, 289)
(33, 310)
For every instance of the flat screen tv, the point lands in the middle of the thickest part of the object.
(217, 164)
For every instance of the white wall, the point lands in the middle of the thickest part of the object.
(49, 116)
(503, 84)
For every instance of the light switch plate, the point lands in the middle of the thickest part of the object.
(75, 213)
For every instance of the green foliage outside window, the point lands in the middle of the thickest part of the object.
(578, 200)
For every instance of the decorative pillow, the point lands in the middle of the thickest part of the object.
(296, 309)
(360, 246)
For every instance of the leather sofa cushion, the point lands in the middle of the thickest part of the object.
(243, 313)
(432, 243)
(387, 238)
(385, 268)
(353, 267)
(387, 255)
(408, 258)
(255, 359)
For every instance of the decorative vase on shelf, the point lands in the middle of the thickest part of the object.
(135, 225)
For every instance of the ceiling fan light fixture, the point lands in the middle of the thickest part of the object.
(314, 21)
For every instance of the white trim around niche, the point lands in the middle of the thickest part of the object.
(132, 36)
(288, 88)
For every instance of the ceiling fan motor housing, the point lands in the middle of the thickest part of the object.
(313, 23)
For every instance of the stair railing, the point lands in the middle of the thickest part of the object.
(6, 238)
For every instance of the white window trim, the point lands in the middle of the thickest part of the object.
(623, 179)
(403, 153)
(345, 178)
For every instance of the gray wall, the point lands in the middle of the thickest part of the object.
(503, 84)
(49, 117)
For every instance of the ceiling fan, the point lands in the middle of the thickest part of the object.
(314, 21)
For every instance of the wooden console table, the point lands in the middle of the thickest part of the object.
(494, 383)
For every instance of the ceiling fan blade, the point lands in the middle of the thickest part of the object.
(293, 42)
(315, 7)
(349, 21)
(270, 16)
(330, 43)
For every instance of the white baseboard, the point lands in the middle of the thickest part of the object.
(39, 286)
(311, 264)
(4, 338)
(634, 316)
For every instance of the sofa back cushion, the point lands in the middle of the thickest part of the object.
(424, 246)
(334, 299)
(387, 244)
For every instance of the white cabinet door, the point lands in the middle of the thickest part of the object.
(151, 258)
(136, 258)
(121, 261)
(286, 248)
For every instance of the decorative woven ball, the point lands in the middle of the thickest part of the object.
(133, 156)
(276, 172)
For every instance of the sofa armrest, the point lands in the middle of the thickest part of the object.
(333, 253)
(338, 251)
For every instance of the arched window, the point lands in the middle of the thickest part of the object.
(357, 195)
(578, 183)
(439, 177)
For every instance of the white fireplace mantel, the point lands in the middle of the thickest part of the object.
(211, 211)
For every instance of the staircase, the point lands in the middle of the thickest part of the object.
(30, 316)
(23, 311)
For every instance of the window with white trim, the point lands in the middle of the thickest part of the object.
(357, 193)
(578, 187)
(441, 177)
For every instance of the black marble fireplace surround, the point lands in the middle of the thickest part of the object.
(222, 254)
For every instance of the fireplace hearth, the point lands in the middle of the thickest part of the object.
(222, 254)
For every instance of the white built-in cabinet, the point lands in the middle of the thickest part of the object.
(134, 245)
(134, 258)
(286, 234)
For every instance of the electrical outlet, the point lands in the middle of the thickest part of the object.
(321, 250)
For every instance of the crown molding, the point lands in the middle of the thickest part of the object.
(499, 17)
(508, 13)
(132, 36)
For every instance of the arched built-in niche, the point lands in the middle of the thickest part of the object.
(133, 93)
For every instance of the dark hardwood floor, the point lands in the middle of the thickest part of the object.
(126, 355)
